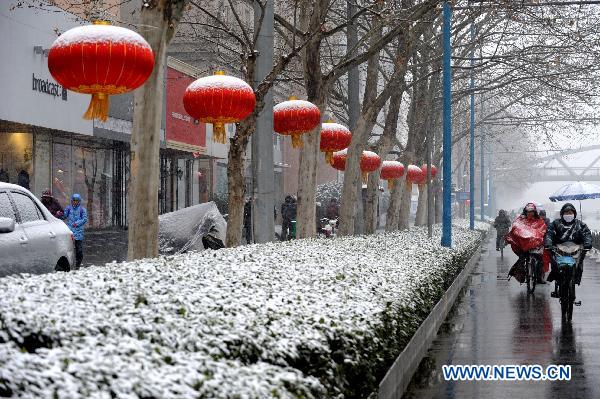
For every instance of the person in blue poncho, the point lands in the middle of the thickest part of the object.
(75, 216)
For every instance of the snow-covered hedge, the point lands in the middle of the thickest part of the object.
(306, 318)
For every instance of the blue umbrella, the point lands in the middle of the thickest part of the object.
(576, 191)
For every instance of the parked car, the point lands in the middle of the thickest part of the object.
(31, 239)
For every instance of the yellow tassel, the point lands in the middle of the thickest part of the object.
(391, 184)
(219, 135)
(98, 108)
(365, 177)
(297, 141)
(329, 157)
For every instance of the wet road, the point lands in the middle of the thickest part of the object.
(497, 323)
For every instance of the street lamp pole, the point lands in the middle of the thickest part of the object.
(482, 165)
(472, 136)
(447, 123)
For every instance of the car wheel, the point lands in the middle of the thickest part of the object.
(62, 265)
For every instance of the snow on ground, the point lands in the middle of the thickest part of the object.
(305, 318)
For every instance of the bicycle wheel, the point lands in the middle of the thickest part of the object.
(528, 276)
(533, 274)
(571, 300)
(565, 294)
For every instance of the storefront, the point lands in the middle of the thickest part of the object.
(44, 141)
(186, 169)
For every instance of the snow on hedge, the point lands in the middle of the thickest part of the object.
(306, 318)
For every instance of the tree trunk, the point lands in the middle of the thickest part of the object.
(371, 203)
(312, 16)
(307, 182)
(437, 189)
(404, 216)
(393, 212)
(421, 216)
(236, 185)
(352, 177)
(384, 145)
(157, 24)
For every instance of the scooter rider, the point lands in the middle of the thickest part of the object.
(568, 229)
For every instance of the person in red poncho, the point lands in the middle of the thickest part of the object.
(527, 233)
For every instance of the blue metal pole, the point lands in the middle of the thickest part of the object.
(447, 118)
(482, 167)
(472, 134)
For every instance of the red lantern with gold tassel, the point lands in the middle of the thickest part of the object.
(369, 162)
(334, 137)
(295, 118)
(219, 99)
(414, 175)
(338, 160)
(391, 171)
(100, 60)
(424, 176)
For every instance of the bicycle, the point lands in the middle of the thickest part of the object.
(502, 245)
(532, 269)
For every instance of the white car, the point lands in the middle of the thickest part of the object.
(31, 239)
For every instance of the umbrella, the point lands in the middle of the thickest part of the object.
(576, 191)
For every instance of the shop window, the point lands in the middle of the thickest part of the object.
(92, 180)
(61, 173)
(16, 153)
(85, 170)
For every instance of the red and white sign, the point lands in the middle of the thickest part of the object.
(183, 131)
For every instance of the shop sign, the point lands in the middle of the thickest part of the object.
(49, 87)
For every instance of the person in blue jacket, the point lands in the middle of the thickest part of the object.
(75, 217)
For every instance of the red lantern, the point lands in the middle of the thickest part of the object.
(294, 118)
(100, 60)
(414, 174)
(338, 160)
(424, 170)
(369, 162)
(390, 171)
(219, 99)
(334, 137)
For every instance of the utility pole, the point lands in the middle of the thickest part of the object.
(354, 106)
(447, 124)
(263, 176)
(472, 135)
(482, 164)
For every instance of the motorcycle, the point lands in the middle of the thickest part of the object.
(567, 257)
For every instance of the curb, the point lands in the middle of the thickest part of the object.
(399, 375)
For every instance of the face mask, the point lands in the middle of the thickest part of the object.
(569, 218)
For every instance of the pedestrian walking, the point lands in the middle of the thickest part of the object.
(52, 204)
(248, 220)
(75, 217)
(288, 213)
(333, 209)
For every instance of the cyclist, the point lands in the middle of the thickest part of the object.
(568, 228)
(526, 235)
(502, 225)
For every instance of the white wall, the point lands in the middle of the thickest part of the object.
(20, 30)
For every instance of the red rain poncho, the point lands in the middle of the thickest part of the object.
(526, 234)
